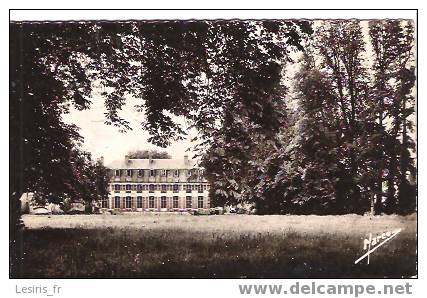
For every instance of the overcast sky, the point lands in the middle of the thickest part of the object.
(106, 140)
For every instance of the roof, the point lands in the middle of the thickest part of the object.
(170, 163)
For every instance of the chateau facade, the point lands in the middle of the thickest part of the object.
(157, 185)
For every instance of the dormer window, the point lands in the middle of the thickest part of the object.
(129, 173)
(117, 173)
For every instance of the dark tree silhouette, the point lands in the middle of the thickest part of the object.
(393, 46)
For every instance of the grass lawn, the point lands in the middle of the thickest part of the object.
(220, 246)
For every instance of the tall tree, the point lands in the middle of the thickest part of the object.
(392, 43)
(340, 46)
(317, 139)
(44, 75)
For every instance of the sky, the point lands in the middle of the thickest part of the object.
(107, 141)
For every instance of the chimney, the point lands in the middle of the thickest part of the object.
(186, 159)
(126, 159)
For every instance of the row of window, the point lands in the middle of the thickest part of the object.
(151, 202)
(163, 173)
(161, 187)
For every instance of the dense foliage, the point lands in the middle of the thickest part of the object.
(346, 144)
(222, 68)
(145, 154)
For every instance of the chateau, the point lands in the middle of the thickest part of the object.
(157, 185)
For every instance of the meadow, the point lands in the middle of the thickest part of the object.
(217, 246)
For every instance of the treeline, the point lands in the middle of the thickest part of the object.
(76, 178)
(334, 139)
(346, 139)
(145, 154)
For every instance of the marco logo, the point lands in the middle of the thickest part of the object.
(373, 243)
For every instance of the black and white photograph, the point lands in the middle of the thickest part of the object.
(213, 148)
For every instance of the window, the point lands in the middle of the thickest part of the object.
(163, 187)
(117, 187)
(188, 202)
(128, 187)
(189, 173)
(200, 188)
(175, 202)
(129, 173)
(151, 202)
(163, 202)
(104, 203)
(175, 188)
(163, 173)
(200, 202)
(176, 173)
(151, 187)
(152, 173)
(116, 202)
(140, 173)
(117, 174)
(138, 202)
(139, 188)
(128, 202)
(188, 187)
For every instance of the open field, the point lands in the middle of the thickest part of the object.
(228, 246)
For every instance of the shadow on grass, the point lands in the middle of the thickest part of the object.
(174, 253)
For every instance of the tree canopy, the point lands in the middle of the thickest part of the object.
(145, 154)
(205, 71)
